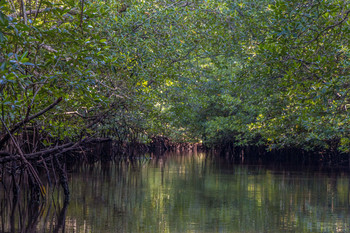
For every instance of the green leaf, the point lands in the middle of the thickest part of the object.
(3, 19)
(23, 57)
(2, 37)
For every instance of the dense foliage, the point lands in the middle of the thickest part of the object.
(248, 72)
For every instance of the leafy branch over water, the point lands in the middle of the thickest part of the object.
(248, 73)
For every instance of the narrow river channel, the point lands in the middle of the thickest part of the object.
(189, 193)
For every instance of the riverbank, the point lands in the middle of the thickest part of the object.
(291, 155)
(50, 164)
(25, 167)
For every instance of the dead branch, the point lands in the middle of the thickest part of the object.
(48, 48)
(75, 113)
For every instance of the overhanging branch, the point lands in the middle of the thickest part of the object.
(17, 126)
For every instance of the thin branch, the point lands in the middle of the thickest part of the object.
(25, 161)
(98, 119)
(184, 57)
(7, 157)
(37, 10)
(48, 48)
(330, 27)
(12, 5)
(75, 113)
(73, 11)
(35, 155)
(139, 24)
(81, 16)
(24, 12)
(17, 126)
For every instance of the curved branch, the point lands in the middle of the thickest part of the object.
(331, 27)
(17, 126)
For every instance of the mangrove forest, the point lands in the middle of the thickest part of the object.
(245, 81)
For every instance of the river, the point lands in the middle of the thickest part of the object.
(188, 193)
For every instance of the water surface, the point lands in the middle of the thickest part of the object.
(194, 193)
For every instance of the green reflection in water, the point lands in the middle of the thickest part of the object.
(194, 193)
(188, 193)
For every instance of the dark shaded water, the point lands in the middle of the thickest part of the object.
(188, 193)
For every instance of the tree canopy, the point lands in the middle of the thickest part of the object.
(248, 72)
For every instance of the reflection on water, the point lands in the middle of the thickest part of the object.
(189, 193)
(20, 214)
